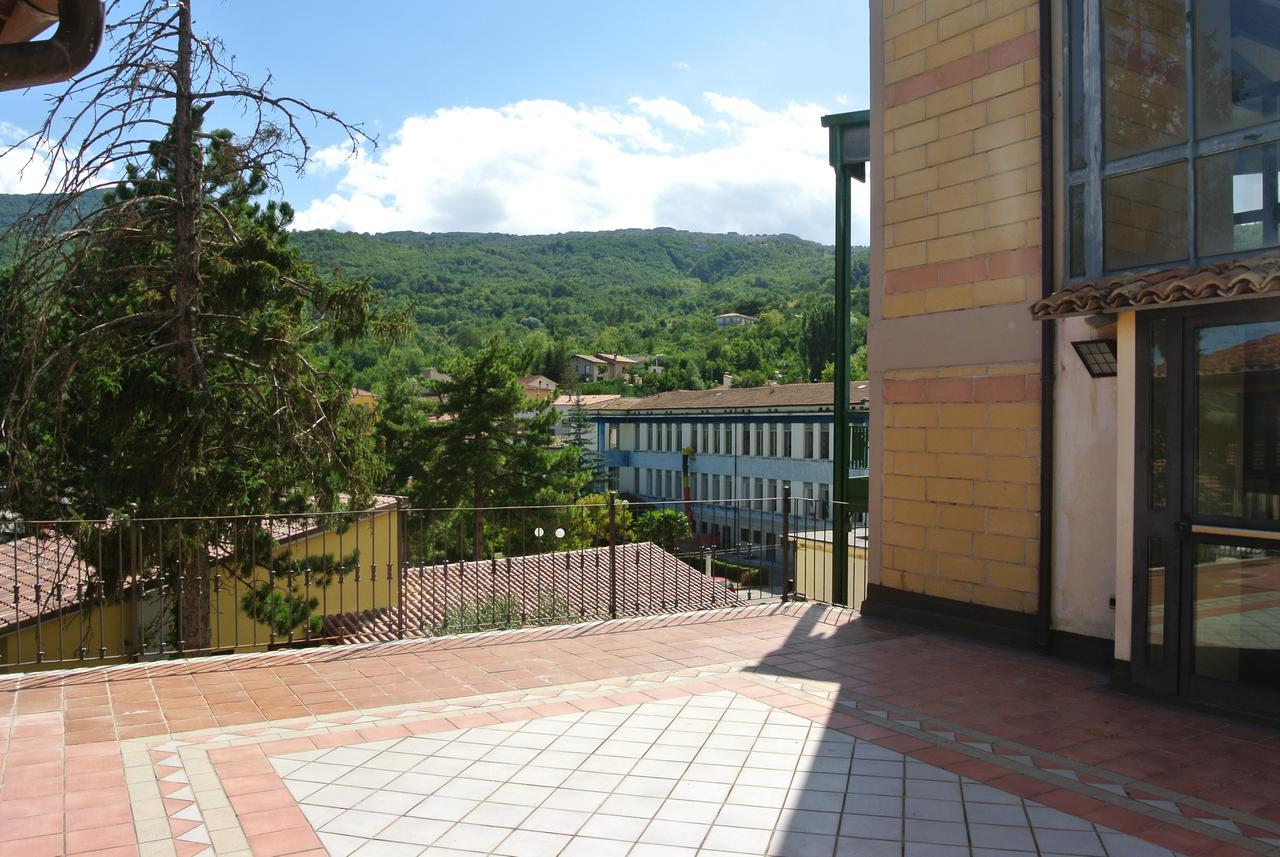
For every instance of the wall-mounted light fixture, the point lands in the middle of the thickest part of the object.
(1098, 357)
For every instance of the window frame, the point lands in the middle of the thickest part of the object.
(1096, 171)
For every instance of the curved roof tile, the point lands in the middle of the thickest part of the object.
(1236, 278)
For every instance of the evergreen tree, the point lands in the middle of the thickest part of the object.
(487, 444)
(160, 352)
(583, 436)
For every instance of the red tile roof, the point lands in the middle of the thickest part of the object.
(549, 588)
(46, 573)
(769, 396)
(1238, 278)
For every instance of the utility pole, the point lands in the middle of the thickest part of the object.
(850, 149)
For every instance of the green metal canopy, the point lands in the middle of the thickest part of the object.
(850, 150)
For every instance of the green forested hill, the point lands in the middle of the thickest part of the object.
(640, 292)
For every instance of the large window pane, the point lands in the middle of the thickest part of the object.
(1075, 83)
(1075, 205)
(1144, 75)
(1238, 421)
(1236, 200)
(1236, 622)
(1155, 601)
(1237, 64)
(1159, 438)
(1146, 217)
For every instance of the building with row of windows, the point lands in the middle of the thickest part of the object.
(742, 451)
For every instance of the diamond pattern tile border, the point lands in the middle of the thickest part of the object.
(224, 771)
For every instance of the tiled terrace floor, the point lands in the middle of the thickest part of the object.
(762, 730)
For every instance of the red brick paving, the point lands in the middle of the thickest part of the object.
(62, 781)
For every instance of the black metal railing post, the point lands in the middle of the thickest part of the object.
(402, 554)
(786, 540)
(613, 560)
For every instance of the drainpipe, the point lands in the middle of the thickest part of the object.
(1048, 330)
(72, 47)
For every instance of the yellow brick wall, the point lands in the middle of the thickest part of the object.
(959, 445)
(961, 162)
(961, 483)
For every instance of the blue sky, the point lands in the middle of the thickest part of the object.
(547, 116)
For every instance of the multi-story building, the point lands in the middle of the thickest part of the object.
(1073, 332)
(742, 449)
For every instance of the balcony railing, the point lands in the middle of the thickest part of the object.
(82, 593)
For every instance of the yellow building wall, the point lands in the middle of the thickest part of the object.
(375, 537)
(958, 443)
(60, 638)
(814, 574)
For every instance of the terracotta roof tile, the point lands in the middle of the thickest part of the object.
(774, 396)
(1219, 280)
(559, 587)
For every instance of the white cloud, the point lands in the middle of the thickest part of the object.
(24, 168)
(546, 166)
(670, 112)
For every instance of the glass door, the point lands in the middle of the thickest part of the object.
(1207, 522)
(1231, 560)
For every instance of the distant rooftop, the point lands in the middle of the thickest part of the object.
(775, 396)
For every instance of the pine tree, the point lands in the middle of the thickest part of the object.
(488, 445)
(583, 437)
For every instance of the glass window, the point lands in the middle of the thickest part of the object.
(1145, 217)
(1158, 67)
(808, 441)
(715, 439)
(705, 437)
(1159, 439)
(1237, 471)
(824, 447)
(824, 501)
(773, 440)
(728, 439)
(773, 495)
(1144, 75)
(759, 450)
(759, 494)
(1237, 64)
(1075, 205)
(1237, 199)
(786, 440)
(1155, 602)
(1075, 84)
(745, 448)
(1234, 636)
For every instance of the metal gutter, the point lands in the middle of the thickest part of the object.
(1048, 330)
(72, 47)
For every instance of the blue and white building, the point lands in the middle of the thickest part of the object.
(745, 448)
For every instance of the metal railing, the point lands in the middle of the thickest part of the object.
(80, 593)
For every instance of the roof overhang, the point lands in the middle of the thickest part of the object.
(1236, 279)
